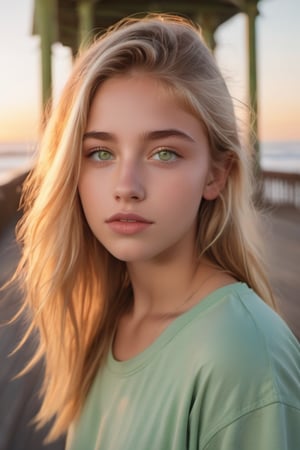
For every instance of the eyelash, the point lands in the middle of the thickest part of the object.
(97, 151)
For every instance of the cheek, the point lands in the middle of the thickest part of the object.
(85, 191)
(91, 196)
(182, 195)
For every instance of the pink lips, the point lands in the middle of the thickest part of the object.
(127, 223)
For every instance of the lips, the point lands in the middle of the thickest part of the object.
(127, 218)
(128, 224)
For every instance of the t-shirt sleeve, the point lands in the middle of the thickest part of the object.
(272, 427)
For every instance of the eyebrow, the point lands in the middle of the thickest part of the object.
(151, 135)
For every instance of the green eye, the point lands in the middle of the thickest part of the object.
(104, 155)
(165, 155)
(101, 155)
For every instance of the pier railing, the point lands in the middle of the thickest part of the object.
(281, 188)
(10, 193)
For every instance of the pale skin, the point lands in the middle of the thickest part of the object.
(145, 154)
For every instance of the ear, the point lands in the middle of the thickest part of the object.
(217, 179)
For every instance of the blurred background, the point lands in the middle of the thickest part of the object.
(270, 85)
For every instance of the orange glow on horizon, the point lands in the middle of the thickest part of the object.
(278, 123)
(274, 124)
(19, 126)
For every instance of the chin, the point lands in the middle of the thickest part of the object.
(128, 258)
(130, 255)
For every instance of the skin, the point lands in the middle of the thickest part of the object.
(128, 167)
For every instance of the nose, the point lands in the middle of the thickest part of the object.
(129, 184)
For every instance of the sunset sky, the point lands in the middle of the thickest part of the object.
(278, 39)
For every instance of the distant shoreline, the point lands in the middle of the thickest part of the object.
(12, 153)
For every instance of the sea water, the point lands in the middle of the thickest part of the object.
(15, 157)
(280, 156)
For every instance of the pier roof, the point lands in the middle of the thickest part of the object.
(66, 14)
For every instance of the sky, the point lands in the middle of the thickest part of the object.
(278, 64)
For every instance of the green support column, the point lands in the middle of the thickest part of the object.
(209, 38)
(252, 12)
(208, 25)
(45, 17)
(86, 22)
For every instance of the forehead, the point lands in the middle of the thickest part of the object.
(138, 93)
(137, 83)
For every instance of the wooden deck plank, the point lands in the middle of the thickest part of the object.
(282, 234)
(19, 397)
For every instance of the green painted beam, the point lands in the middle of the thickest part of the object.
(85, 11)
(252, 13)
(46, 22)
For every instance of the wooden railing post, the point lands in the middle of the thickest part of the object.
(281, 188)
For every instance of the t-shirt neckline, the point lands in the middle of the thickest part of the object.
(136, 363)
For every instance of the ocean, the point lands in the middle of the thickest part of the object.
(15, 157)
(281, 156)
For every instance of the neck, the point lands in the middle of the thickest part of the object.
(163, 287)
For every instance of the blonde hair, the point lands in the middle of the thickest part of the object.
(75, 289)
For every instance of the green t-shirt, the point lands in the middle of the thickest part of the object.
(225, 375)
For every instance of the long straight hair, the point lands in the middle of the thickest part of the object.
(76, 291)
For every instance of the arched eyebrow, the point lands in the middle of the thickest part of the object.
(170, 132)
(147, 136)
(99, 135)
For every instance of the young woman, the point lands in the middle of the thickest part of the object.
(141, 261)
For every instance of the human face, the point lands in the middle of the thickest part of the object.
(145, 169)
